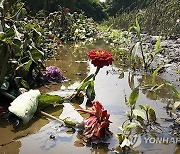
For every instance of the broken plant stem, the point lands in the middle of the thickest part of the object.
(51, 116)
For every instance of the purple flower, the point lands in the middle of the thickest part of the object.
(53, 73)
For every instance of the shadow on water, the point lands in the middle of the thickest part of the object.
(112, 84)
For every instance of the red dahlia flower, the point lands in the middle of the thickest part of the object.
(97, 124)
(100, 58)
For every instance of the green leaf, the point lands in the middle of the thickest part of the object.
(2, 36)
(16, 45)
(9, 32)
(138, 29)
(176, 92)
(152, 114)
(134, 52)
(47, 99)
(30, 26)
(36, 54)
(130, 126)
(133, 97)
(25, 84)
(121, 76)
(154, 75)
(26, 66)
(157, 87)
(83, 86)
(157, 46)
(90, 92)
(139, 113)
(88, 78)
(125, 142)
(69, 123)
(121, 137)
(175, 106)
(1, 6)
(4, 54)
(18, 35)
(142, 107)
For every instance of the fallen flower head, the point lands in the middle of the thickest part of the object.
(53, 73)
(100, 58)
(25, 105)
(97, 124)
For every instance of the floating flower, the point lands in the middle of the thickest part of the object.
(53, 73)
(100, 58)
(97, 124)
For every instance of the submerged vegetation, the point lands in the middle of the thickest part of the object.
(31, 34)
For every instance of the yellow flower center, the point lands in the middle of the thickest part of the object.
(98, 53)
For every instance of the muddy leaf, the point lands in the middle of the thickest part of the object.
(47, 99)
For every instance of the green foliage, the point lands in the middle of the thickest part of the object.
(31, 39)
(139, 120)
(134, 52)
(157, 17)
(46, 99)
(4, 54)
(154, 75)
(175, 91)
(88, 85)
(147, 54)
(133, 97)
(92, 8)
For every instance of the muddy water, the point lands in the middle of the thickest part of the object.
(112, 84)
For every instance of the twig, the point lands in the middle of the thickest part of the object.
(50, 116)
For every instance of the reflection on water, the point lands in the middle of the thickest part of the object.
(112, 84)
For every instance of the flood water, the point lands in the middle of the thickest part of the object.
(112, 84)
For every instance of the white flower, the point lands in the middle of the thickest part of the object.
(25, 105)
